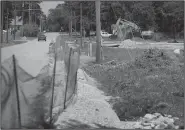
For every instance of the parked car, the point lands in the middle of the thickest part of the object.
(147, 34)
(41, 36)
(92, 33)
(105, 34)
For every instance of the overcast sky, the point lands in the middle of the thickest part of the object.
(46, 5)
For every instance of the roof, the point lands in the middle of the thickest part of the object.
(18, 21)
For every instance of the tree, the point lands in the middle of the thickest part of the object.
(174, 12)
(23, 12)
(156, 15)
(144, 15)
(7, 6)
(18, 8)
(58, 17)
(170, 14)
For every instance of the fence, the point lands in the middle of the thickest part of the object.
(67, 57)
(48, 97)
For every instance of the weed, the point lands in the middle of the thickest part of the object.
(153, 82)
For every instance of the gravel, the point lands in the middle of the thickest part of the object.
(91, 108)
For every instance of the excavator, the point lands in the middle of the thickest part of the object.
(123, 29)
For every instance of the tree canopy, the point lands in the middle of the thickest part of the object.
(149, 15)
(22, 7)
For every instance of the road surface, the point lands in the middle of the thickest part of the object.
(31, 56)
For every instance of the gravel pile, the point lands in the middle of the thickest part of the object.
(129, 44)
(91, 109)
(156, 121)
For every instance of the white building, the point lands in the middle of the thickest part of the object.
(18, 23)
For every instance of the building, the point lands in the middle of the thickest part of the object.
(17, 24)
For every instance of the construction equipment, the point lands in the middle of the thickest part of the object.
(123, 28)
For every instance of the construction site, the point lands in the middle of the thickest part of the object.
(100, 67)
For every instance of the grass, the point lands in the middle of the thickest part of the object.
(110, 53)
(150, 81)
(146, 81)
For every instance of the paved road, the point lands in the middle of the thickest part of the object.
(32, 56)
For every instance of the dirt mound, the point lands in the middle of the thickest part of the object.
(129, 43)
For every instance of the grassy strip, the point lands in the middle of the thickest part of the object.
(152, 82)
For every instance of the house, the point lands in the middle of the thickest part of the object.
(17, 24)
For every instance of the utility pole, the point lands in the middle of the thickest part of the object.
(22, 18)
(98, 29)
(40, 22)
(1, 31)
(14, 22)
(35, 19)
(71, 22)
(7, 19)
(81, 24)
(29, 13)
(1, 23)
(75, 20)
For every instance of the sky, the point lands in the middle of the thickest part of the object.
(46, 5)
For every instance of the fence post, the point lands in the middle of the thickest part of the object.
(17, 92)
(69, 60)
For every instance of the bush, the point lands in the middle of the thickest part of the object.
(30, 30)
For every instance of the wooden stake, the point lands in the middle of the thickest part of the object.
(17, 92)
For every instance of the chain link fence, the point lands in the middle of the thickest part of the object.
(25, 98)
